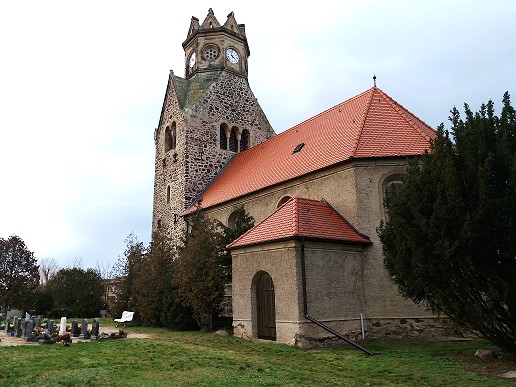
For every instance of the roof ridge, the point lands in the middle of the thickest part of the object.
(357, 141)
(319, 114)
(295, 215)
(262, 221)
(345, 220)
(404, 112)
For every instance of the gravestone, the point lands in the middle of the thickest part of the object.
(75, 329)
(27, 330)
(62, 326)
(18, 328)
(37, 323)
(7, 321)
(84, 330)
(51, 326)
(95, 329)
(15, 322)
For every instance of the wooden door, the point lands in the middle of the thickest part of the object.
(266, 307)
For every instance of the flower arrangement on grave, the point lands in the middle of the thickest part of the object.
(10, 328)
(120, 335)
(64, 340)
(45, 338)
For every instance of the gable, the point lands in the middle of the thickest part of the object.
(369, 125)
(194, 26)
(210, 21)
(232, 25)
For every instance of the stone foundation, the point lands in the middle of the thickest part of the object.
(310, 336)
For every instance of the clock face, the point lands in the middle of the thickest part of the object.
(232, 55)
(192, 60)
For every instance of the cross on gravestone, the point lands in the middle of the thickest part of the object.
(7, 321)
(18, 328)
(27, 330)
(95, 329)
(75, 329)
(84, 330)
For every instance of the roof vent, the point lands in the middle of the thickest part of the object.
(298, 147)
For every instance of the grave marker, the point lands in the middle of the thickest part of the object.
(15, 322)
(7, 321)
(75, 329)
(18, 328)
(95, 329)
(51, 327)
(27, 331)
(84, 330)
(62, 326)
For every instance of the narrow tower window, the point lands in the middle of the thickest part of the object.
(168, 194)
(244, 141)
(223, 137)
(170, 137)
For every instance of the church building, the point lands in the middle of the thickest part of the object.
(313, 262)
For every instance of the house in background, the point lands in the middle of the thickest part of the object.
(316, 192)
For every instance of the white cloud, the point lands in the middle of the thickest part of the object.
(81, 88)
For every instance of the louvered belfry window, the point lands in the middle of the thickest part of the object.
(233, 143)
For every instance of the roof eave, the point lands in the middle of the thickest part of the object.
(189, 210)
(301, 238)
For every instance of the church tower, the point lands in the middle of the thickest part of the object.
(207, 117)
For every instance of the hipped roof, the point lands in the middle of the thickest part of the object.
(302, 218)
(369, 125)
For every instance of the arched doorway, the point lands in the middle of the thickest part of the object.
(265, 307)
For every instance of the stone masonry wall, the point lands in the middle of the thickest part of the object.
(197, 158)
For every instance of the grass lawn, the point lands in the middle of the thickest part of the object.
(193, 358)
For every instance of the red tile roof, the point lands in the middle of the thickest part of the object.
(371, 124)
(298, 217)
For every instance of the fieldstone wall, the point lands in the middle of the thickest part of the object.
(208, 100)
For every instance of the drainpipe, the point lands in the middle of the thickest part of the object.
(310, 318)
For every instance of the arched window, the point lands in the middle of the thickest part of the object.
(233, 141)
(391, 187)
(283, 200)
(223, 137)
(244, 140)
(170, 137)
(232, 219)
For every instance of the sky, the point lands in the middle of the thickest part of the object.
(82, 85)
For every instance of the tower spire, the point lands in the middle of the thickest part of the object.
(374, 80)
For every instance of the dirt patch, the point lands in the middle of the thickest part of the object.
(492, 367)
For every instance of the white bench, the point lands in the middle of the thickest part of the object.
(126, 317)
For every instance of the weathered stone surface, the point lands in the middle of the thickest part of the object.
(212, 95)
(485, 354)
(509, 375)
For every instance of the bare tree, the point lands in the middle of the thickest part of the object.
(106, 272)
(48, 267)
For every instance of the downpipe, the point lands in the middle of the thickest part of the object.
(315, 321)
